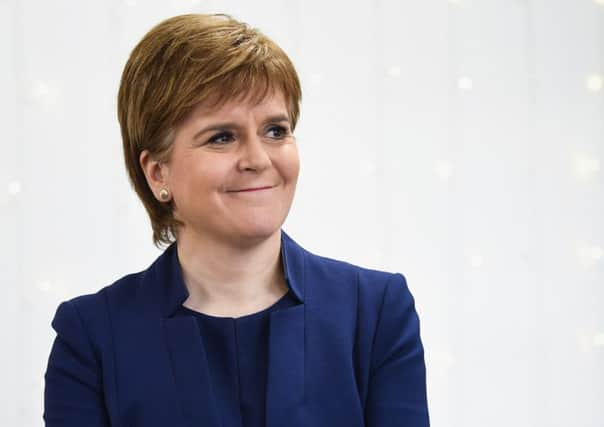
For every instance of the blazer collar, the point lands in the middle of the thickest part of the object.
(166, 273)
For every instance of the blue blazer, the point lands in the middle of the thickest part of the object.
(349, 354)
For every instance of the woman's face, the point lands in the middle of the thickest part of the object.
(219, 153)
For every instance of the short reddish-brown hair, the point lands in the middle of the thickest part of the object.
(180, 62)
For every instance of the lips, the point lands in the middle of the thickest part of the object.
(252, 189)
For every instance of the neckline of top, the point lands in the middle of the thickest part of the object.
(245, 316)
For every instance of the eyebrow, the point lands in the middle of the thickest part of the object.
(231, 125)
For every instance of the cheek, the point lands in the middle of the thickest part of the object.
(195, 175)
(291, 164)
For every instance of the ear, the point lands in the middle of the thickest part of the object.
(156, 173)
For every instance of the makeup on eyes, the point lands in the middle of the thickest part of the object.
(226, 133)
(224, 126)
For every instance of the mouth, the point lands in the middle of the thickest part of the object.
(251, 189)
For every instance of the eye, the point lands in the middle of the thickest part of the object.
(218, 138)
(281, 132)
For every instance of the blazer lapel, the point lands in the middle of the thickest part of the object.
(285, 383)
(190, 372)
(285, 380)
(186, 352)
(285, 397)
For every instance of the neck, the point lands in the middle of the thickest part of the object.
(220, 274)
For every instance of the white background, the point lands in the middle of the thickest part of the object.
(458, 142)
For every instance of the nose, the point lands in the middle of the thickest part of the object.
(254, 154)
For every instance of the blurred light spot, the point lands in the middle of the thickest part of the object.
(367, 167)
(444, 169)
(394, 71)
(44, 286)
(599, 339)
(585, 166)
(594, 82)
(130, 2)
(464, 83)
(589, 255)
(476, 260)
(14, 188)
(600, 2)
(44, 93)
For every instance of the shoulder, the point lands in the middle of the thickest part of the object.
(367, 280)
(374, 306)
(123, 288)
(367, 289)
(90, 314)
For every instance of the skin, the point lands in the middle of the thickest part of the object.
(229, 248)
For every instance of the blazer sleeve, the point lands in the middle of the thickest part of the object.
(73, 393)
(397, 384)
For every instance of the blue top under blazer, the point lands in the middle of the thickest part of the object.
(347, 354)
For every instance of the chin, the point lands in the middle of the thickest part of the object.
(260, 230)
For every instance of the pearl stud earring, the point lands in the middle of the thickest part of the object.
(164, 194)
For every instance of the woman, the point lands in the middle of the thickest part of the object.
(234, 324)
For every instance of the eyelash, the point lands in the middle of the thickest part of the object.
(214, 140)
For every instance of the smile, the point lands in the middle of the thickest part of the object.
(251, 189)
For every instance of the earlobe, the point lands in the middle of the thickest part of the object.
(164, 194)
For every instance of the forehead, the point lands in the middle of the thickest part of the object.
(253, 101)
